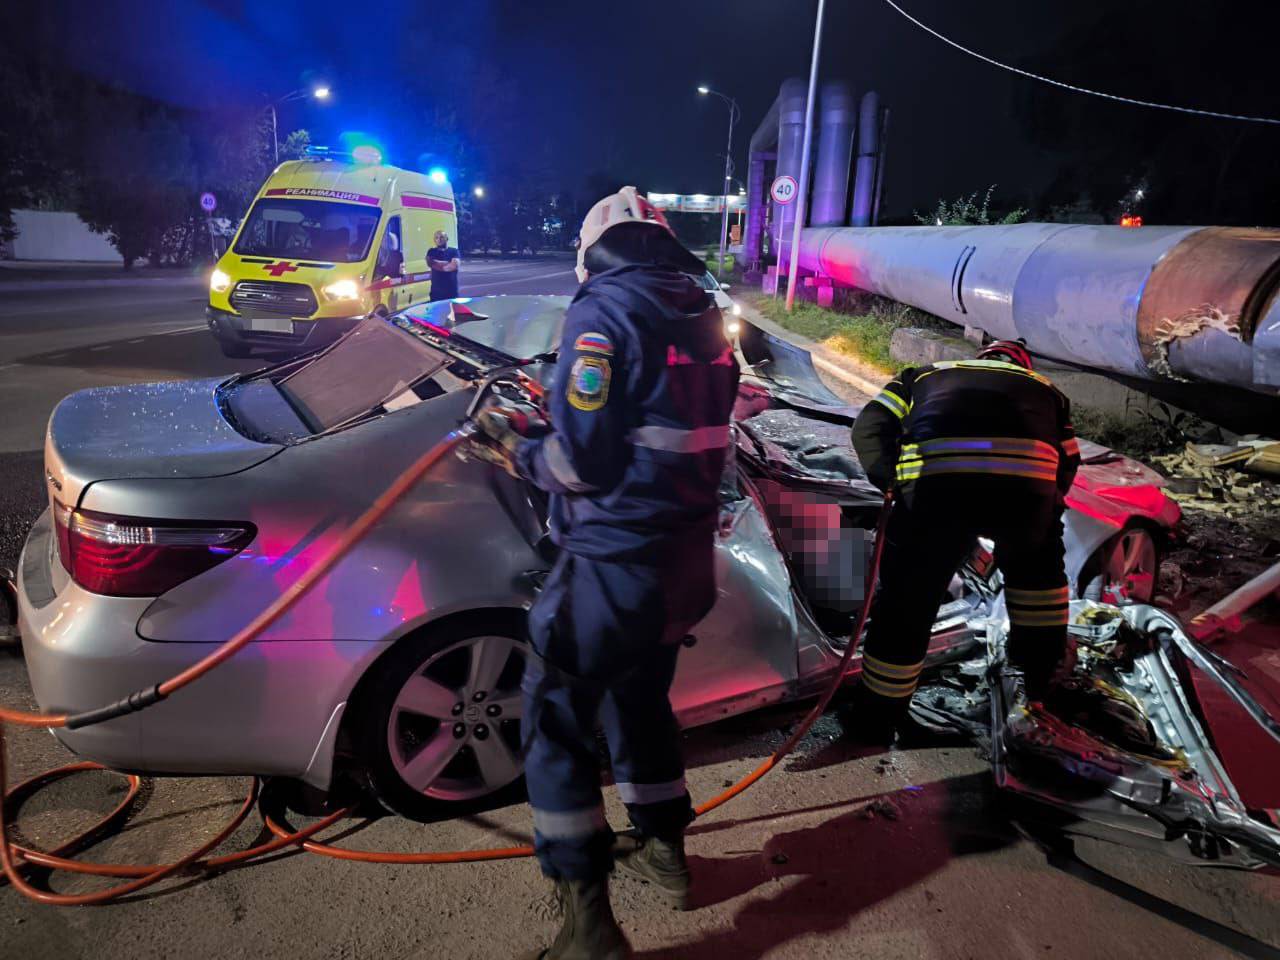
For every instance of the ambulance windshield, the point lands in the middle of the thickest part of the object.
(295, 229)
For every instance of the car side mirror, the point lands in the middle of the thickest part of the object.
(724, 286)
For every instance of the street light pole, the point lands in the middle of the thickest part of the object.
(802, 201)
(734, 113)
(319, 93)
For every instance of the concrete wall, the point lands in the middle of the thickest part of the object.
(56, 235)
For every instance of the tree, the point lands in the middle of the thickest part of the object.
(139, 178)
(967, 211)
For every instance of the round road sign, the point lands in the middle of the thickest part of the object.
(208, 202)
(784, 189)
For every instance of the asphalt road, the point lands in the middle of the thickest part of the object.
(908, 855)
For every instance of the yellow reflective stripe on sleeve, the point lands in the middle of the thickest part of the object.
(894, 671)
(893, 403)
(883, 689)
(1037, 598)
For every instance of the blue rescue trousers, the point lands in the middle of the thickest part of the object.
(605, 639)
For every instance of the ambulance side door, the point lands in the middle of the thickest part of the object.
(418, 228)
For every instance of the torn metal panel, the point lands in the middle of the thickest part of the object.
(1135, 765)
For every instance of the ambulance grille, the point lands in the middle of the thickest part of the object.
(273, 296)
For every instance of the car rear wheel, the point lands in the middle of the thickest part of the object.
(440, 723)
(1126, 567)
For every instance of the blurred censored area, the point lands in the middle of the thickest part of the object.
(828, 546)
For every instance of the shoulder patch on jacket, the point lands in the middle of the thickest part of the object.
(589, 383)
(594, 343)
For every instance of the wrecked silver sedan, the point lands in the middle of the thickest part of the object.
(179, 511)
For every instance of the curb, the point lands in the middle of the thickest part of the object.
(859, 376)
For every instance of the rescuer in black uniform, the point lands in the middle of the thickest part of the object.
(980, 447)
(640, 417)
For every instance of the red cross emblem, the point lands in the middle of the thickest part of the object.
(275, 269)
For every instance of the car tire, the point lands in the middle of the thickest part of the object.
(1130, 559)
(234, 350)
(439, 718)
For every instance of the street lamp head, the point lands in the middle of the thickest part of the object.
(320, 93)
(704, 89)
(478, 191)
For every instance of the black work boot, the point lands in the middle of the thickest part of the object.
(868, 724)
(661, 863)
(589, 931)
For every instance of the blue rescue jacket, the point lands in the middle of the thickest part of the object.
(640, 409)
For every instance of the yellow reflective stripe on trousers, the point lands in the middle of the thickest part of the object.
(1038, 618)
(885, 689)
(1054, 596)
(894, 671)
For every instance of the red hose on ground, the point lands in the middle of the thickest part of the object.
(13, 856)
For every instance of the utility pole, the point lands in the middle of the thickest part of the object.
(734, 113)
(802, 201)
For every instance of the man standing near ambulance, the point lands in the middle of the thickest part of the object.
(443, 261)
(640, 432)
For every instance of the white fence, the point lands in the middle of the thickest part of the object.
(56, 235)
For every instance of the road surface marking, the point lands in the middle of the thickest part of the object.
(170, 333)
(136, 340)
(503, 283)
(104, 346)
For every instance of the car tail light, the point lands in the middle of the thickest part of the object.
(132, 557)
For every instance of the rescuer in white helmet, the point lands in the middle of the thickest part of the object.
(640, 416)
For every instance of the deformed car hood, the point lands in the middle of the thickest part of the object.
(144, 431)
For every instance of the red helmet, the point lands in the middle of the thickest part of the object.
(1011, 351)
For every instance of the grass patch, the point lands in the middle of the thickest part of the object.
(1136, 434)
(860, 326)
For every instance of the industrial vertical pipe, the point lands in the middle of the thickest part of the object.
(837, 117)
(761, 151)
(864, 184)
(791, 106)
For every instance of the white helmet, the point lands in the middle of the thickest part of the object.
(625, 206)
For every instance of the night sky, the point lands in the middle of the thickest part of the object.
(609, 86)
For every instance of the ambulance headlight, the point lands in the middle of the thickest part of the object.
(219, 282)
(343, 290)
(736, 309)
(733, 328)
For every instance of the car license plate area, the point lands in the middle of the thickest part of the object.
(271, 324)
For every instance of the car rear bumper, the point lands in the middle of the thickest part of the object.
(305, 334)
(273, 709)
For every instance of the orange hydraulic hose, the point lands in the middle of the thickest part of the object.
(13, 856)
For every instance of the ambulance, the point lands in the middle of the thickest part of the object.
(328, 241)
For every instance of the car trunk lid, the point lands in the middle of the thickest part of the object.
(143, 431)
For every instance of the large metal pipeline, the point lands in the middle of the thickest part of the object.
(1156, 303)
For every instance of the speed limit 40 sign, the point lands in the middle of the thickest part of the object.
(784, 189)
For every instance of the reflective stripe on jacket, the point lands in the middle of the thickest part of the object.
(641, 410)
(974, 417)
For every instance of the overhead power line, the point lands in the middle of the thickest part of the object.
(1075, 89)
